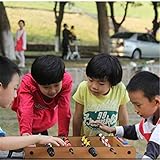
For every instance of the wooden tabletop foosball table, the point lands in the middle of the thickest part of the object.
(83, 148)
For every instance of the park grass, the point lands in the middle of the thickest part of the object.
(134, 12)
(41, 27)
(38, 5)
(40, 20)
(9, 123)
(90, 7)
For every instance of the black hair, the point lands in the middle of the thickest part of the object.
(146, 82)
(21, 20)
(105, 67)
(7, 70)
(65, 25)
(47, 69)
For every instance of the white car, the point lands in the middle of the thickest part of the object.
(135, 45)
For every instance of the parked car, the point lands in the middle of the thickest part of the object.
(135, 45)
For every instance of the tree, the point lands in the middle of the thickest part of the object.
(155, 22)
(59, 17)
(115, 23)
(6, 38)
(103, 27)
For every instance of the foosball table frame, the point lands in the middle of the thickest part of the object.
(121, 151)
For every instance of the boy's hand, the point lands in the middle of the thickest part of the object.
(27, 134)
(103, 127)
(50, 139)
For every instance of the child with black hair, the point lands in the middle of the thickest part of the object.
(9, 82)
(44, 97)
(144, 93)
(20, 43)
(102, 97)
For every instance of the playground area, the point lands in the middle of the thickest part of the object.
(8, 119)
(103, 98)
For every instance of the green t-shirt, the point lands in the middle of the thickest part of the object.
(103, 108)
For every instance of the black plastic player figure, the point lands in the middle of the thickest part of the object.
(68, 144)
(87, 143)
(50, 150)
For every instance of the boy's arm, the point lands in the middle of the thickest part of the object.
(77, 119)
(152, 151)
(16, 142)
(128, 132)
(132, 132)
(123, 115)
(64, 111)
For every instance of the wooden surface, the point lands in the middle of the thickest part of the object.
(121, 151)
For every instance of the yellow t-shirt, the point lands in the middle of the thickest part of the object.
(103, 108)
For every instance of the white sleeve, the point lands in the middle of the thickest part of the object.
(129, 132)
(139, 135)
(146, 158)
(119, 131)
(155, 137)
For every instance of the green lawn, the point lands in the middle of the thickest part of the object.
(135, 12)
(9, 123)
(90, 7)
(41, 5)
(40, 25)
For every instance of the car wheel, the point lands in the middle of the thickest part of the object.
(136, 54)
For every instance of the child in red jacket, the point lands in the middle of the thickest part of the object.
(43, 97)
(9, 81)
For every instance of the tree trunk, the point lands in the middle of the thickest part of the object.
(115, 23)
(59, 17)
(6, 38)
(103, 27)
(155, 22)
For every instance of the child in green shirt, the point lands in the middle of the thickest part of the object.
(102, 97)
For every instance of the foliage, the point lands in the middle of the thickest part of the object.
(137, 4)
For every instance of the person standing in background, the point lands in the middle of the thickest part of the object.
(65, 42)
(20, 43)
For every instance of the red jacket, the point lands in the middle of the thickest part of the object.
(36, 115)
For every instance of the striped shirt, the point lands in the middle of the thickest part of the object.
(144, 130)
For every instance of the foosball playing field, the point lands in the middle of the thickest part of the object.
(99, 147)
